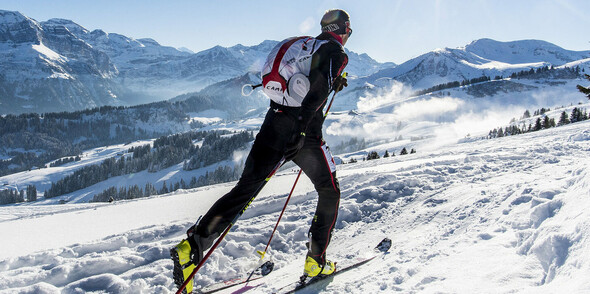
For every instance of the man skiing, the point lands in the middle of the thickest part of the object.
(292, 132)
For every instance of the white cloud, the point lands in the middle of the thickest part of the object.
(307, 25)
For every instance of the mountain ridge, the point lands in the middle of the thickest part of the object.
(480, 57)
(76, 68)
(96, 68)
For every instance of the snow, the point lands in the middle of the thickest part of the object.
(498, 65)
(503, 215)
(208, 116)
(48, 52)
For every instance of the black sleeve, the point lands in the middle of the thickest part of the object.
(327, 64)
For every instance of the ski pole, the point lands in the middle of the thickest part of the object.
(344, 75)
(194, 272)
(263, 253)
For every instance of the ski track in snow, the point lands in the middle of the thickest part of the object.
(503, 215)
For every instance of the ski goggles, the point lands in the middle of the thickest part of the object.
(348, 29)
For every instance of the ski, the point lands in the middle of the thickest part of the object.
(304, 281)
(379, 250)
(226, 284)
(259, 273)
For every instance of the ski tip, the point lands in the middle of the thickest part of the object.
(266, 268)
(384, 245)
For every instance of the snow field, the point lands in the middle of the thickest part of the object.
(503, 215)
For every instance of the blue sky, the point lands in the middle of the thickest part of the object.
(387, 30)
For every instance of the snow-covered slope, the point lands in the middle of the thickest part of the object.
(502, 215)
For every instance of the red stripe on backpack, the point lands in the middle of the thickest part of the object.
(274, 72)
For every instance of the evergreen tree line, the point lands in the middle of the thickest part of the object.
(167, 151)
(216, 148)
(374, 155)
(58, 135)
(545, 122)
(547, 72)
(221, 175)
(61, 134)
(455, 84)
(541, 72)
(64, 160)
(8, 196)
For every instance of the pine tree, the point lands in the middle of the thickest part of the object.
(31, 193)
(585, 90)
(386, 154)
(164, 189)
(373, 155)
(404, 151)
(546, 123)
(21, 196)
(574, 117)
(563, 119)
(538, 125)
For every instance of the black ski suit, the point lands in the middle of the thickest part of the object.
(314, 158)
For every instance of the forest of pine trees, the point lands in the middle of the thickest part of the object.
(221, 175)
(541, 72)
(374, 155)
(166, 152)
(8, 196)
(66, 134)
(58, 134)
(542, 122)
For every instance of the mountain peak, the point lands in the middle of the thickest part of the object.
(7, 17)
(73, 27)
(18, 28)
(523, 51)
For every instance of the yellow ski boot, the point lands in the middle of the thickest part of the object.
(313, 268)
(183, 264)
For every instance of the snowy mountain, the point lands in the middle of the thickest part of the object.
(58, 65)
(482, 57)
(48, 69)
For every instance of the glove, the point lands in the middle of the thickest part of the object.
(339, 83)
(295, 143)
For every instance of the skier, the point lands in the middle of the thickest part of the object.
(292, 132)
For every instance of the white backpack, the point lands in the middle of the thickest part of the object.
(285, 72)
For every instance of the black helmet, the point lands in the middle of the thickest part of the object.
(337, 21)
